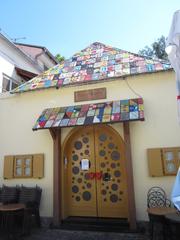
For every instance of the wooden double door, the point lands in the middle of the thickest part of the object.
(96, 183)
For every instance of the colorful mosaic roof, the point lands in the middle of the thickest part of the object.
(95, 63)
(114, 111)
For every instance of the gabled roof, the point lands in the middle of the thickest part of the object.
(35, 50)
(96, 63)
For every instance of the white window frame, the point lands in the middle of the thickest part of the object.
(11, 81)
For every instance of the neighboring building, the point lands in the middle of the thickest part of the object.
(18, 65)
(40, 54)
(98, 112)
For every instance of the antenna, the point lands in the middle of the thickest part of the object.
(16, 39)
(7, 36)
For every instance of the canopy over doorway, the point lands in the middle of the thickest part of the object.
(87, 114)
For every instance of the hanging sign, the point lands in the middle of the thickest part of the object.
(85, 164)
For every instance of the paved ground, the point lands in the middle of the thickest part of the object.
(57, 234)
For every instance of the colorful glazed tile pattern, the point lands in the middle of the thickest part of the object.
(94, 63)
(116, 111)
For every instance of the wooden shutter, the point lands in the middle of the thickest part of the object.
(8, 167)
(155, 162)
(178, 157)
(38, 165)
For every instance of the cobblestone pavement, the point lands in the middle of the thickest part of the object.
(57, 234)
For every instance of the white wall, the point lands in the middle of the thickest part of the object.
(160, 129)
(45, 60)
(10, 57)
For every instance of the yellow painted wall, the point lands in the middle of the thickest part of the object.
(160, 129)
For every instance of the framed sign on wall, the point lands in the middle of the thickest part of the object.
(90, 94)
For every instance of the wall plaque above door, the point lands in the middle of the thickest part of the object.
(90, 94)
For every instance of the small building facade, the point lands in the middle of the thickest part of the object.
(95, 118)
(21, 62)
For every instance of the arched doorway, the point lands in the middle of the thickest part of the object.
(95, 180)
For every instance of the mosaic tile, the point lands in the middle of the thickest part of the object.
(134, 115)
(89, 120)
(82, 114)
(91, 112)
(106, 118)
(141, 114)
(64, 122)
(80, 121)
(95, 63)
(115, 117)
(124, 108)
(60, 116)
(132, 109)
(68, 114)
(97, 119)
(107, 110)
(41, 124)
(56, 123)
(124, 116)
(75, 114)
(49, 123)
(72, 122)
(141, 107)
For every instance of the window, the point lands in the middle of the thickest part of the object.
(24, 166)
(171, 160)
(45, 67)
(163, 161)
(9, 83)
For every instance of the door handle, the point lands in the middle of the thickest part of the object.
(106, 177)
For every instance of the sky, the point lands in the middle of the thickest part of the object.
(68, 26)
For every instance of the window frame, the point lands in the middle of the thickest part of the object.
(158, 161)
(36, 164)
(175, 160)
(23, 166)
(10, 82)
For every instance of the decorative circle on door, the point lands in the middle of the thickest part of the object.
(115, 155)
(75, 170)
(86, 152)
(111, 145)
(113, 165)
(85, 140)
(103, 164)
(78, 198)
(102, 153)
(117, 173)
(113, 198)
(75, 157)
(78, 145)
(79, 180)
(86, 195)
(88, 185)
(75, 189)
(114, 187)
(86, 176)
(103, 192)
(102, 137)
